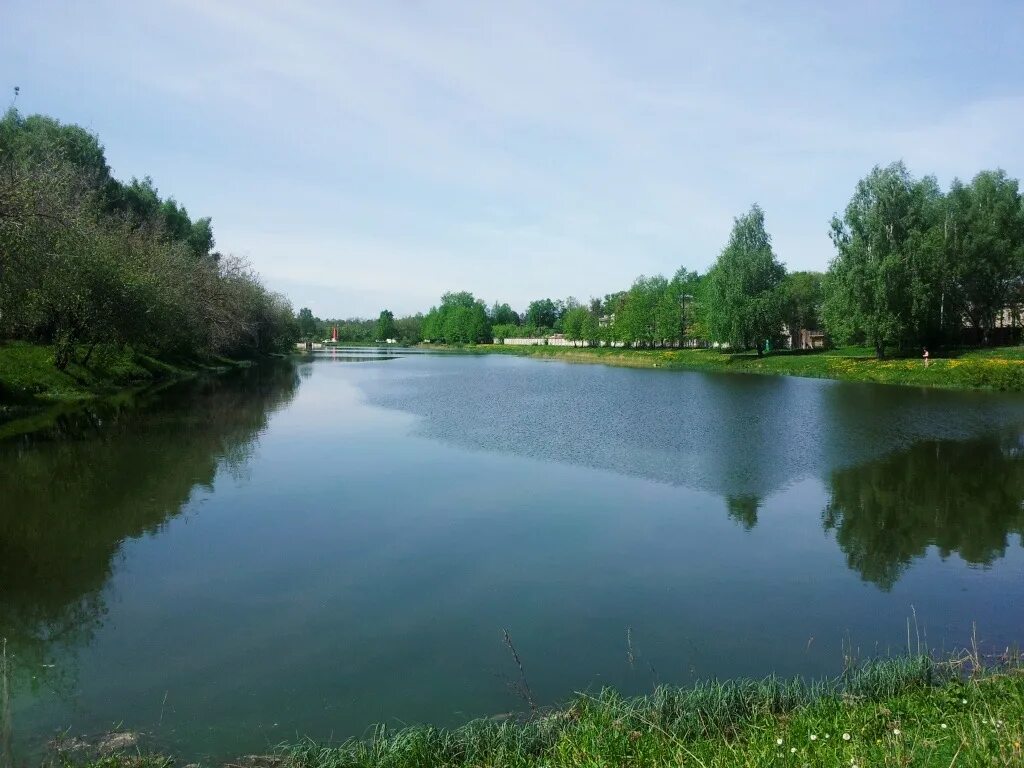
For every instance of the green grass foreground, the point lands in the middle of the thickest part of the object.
(898, 712)
(1000, 368)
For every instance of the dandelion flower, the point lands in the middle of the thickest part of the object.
(895, 731)
(813, 737)
(963, 701)
(846, 737)
(944, 726)
(792, 750)
(779, 742)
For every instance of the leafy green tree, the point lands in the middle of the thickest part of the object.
(200, 237)
(309, 326)
(460, 319)
(668, 318)
(503, 314)
(686, 285)
(502, 331)
(984, 237)
(542, 313)
(802, 294)
(590, 329)
(38, 140)
(79, 270)
(466, 325)
(386, 328)
(141, 201)
(742, 302)
(574, 324)
(433, 329)
(410, 328)
(637, 320)
(883, 284)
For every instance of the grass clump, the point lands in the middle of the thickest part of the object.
(889, 713)
(894, 713)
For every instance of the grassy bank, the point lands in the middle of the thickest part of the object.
(29, 381)
(891, 713)
(997, 368)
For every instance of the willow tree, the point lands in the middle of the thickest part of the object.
(742, 302)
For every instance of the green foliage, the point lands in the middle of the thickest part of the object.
(86, 261)
(743, 303)
(879, 280)
(913, 266)
(310, 328)
(544, 313)
(503, 314)
(410, 328)
(502, 331)
(460, 319)
(984, 247)
(579, 324)
(636, 321)
(386, 328)
(802, 297)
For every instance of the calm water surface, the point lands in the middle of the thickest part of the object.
(313, 549)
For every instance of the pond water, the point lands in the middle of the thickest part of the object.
(310, 549)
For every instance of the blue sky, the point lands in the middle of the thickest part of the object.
(364, 155)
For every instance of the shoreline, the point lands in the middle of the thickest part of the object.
(894, 711)
(993, 369)
(34, 394)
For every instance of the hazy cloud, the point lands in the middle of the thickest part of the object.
(370, 153)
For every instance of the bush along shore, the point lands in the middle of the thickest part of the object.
(894, 712)
(999, 368)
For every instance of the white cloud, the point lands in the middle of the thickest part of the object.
(520, 150)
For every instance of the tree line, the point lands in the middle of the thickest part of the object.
(406, 330)
(913, 266)
(88, 261)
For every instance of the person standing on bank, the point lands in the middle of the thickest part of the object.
(926, 358)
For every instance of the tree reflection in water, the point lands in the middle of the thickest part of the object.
(962, 497)
(74, 492)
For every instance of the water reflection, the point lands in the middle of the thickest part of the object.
(73, 492)
(894, 488)
(962, 497)
(743, 509)
(384, 553)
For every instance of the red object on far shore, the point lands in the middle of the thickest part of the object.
(334, 333)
